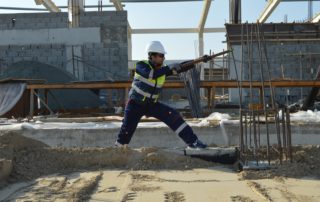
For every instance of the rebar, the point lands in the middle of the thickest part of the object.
(263, 91)
(191, 80)
(272, 92)
(252, 146)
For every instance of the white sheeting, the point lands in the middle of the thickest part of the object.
(10, 94)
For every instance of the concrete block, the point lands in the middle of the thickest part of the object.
(88, 52)
(5, 169)
(27, 58)
(56, 46)
(53, 58)
(3, 26)
(29, 53)
(98, 45)
(41, 25)
(62, 24)
(12, 54)
(89, 76)
(119, 17)
(94, 58)
(42, 59)
(88, 45)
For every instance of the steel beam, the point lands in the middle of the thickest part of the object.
(204, 15)
(316, 18)
(296, 0)
(178, 30)
(156, 1)
(202, 23)
(178, 84)
(272, 4)
(44, 9)
(49, 5)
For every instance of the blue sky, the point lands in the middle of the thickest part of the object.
(187, 15)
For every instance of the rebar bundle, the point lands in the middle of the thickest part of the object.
(191, 81)
(275, 143)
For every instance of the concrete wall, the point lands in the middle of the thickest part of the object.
(285, 61)
(65, 36)
(97, 50)
(163, 137)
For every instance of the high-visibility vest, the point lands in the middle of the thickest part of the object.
(148, 87)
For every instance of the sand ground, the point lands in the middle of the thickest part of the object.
(32, 171)
(210, 184)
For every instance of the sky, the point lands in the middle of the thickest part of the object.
(186, 15)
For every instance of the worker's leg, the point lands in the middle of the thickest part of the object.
(173, 119)
(132, 115)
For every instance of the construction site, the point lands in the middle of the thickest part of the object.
(237, 120)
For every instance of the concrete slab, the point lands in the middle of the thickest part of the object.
(150, 135)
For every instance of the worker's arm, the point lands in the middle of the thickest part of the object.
(146, 72)
(177, 68)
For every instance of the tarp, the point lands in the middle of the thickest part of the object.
(10, 94)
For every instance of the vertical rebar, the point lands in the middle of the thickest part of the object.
(272, 92)
(246, 131)
(289, 143)
(250, 120)
(241, 131)
(284, 138)
(255, 138)
(263, 93)
(250, 129)
(300, 56)
(259, 129)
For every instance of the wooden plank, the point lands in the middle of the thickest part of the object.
(176, 84)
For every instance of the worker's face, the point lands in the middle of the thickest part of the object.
(158, 59)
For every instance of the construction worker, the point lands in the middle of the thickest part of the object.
(148, 80)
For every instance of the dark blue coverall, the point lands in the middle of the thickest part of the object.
(139, 105)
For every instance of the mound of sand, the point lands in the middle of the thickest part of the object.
(306, 162)
(31, 159)
(23, 158)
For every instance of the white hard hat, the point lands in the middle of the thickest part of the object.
(155, 47)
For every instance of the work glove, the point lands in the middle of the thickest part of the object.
(175, 68)
(186, 68)
(205, 58)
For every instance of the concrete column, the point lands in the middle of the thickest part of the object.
(75, 7)
(235, 11)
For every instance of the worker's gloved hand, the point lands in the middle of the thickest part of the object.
(175, 68)
(205, 58)
(187, 65)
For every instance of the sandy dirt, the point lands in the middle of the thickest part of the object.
(41, 173)
(205, 185)
(305, 162)
(31, 158)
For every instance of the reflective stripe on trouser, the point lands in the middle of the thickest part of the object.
(169, 116)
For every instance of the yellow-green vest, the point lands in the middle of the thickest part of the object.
(147, 88)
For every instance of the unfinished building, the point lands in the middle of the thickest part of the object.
(290, 51)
